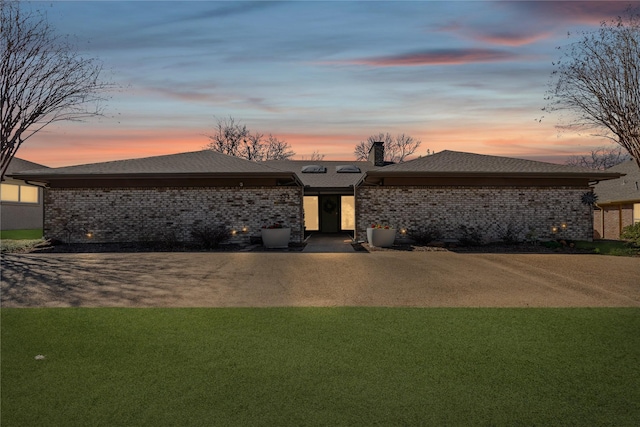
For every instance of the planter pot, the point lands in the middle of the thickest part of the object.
(382, 237)
(276, 237)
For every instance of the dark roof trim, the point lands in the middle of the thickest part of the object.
(598, 176)
(48, 177)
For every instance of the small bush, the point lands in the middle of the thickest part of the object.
(509, 234)
(531, 236)
(470, 236)
(552, 244)
(631, 233)
(210, 237)
(426, 235)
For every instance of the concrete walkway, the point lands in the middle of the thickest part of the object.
(259, 279)
(329, 243)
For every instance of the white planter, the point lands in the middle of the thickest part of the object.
(276, 237)
(382, 237)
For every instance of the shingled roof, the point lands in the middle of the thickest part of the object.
(204, 162)
(623, 189)
(449, 163)
(18, 165)
(330, 179)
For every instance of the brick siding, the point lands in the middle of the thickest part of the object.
(490, 210)
(167, 213)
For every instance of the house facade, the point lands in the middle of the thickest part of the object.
(21, 202)
(618, 204)
(167, 197)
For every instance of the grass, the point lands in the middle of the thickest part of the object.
(320, 366)
(609, 247)
(31, 234)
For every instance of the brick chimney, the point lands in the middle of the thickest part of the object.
(376, 153)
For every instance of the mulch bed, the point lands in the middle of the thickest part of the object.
(489, 248)
(57, 247)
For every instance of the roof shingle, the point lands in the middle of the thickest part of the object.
(197, 162)
(459, 163)
(330, 179)
(625, 188)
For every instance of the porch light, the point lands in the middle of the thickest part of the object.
(554, 229)
(89, 235)
(234, 232)
(403, 231)
(245, 229)
(563, 226)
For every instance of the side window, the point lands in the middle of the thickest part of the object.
(18, 193)
(28, 194)
(636, 212)
(9, 193)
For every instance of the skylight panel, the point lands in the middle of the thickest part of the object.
(347, 169)
(314, 169)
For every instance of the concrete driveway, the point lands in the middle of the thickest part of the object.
(254, 279)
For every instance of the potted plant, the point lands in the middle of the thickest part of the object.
(275, 236)
(381, 235)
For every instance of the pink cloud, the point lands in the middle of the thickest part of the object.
(435, 57)
(510, 39)
(582, 12)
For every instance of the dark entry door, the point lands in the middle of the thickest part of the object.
(330, 213)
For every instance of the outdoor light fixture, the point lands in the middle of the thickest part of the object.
(245, 229)
(563, 226)
(234, 232)
(403, 231)
(89, 235)
(554, 229)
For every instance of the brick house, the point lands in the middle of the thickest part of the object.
(618, 201)
(168, 196)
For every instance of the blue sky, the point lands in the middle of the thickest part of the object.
(458, 75)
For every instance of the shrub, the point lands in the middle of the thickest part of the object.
(552, 244)
(426, 235)
(470, 236)
(532, 236)
(210, 237)
(631, 233)
(509, 234)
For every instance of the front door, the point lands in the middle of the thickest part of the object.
(330, 213)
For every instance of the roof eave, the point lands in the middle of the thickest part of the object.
(560, 175)
(155, 175)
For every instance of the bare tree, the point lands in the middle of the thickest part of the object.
(235, 139)
(601, 158)
(277, 150)
(598, 82)
(316, 156)
(43, 79)
(396, 150)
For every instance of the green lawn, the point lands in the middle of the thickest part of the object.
(609, 247)
(320, 366)
(32, 234)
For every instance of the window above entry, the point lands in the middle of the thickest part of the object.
(347, 169)
(314, 169)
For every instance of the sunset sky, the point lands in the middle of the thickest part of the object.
(322, 75)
